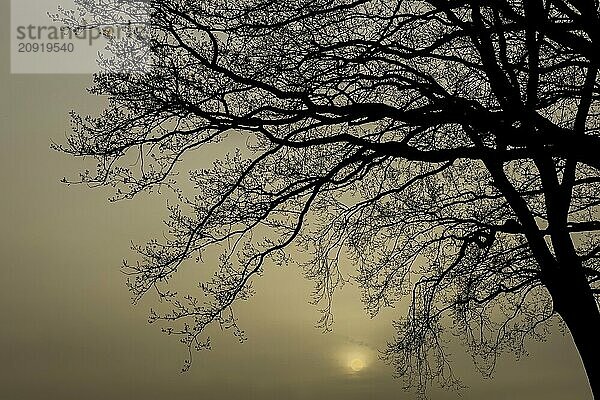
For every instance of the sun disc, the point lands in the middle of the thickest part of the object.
(357, 364)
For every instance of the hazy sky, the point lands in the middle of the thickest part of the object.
(69, 331)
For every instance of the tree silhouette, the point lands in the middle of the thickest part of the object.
(448, 149)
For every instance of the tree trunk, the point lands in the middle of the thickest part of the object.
(575, 303)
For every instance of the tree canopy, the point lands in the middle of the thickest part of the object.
(448, 149)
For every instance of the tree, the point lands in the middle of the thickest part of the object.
(449, 149)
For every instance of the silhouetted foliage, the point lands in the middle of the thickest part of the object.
(448, 149)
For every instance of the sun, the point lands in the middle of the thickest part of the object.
(357, 364)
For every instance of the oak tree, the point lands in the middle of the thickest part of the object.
(448, 148)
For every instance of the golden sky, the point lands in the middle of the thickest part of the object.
(69, 331)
